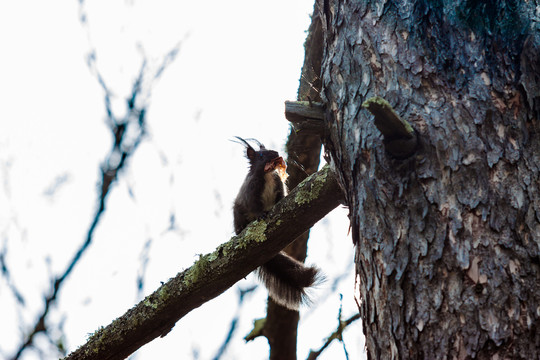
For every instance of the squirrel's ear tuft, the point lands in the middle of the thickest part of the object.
(261, 146)
(250, 153)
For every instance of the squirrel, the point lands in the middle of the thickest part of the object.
(285, 277)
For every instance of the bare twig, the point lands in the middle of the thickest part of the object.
(113, 164)
(338, 334)
(241, 294)
(123, 148)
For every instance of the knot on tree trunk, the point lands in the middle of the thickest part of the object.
(400, 139)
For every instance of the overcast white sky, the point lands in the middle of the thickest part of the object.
(238, 62)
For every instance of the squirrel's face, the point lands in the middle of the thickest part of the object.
(264, 161)
(267, 161)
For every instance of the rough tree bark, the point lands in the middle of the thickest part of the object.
(447, 238)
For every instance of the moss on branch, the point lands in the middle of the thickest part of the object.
(215, 272)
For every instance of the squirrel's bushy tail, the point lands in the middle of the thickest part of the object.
(287, 279)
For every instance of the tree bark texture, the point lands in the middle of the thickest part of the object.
(447, 239)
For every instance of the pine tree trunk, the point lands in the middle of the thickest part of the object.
(447, 235)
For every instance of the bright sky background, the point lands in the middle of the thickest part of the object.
(238, 62)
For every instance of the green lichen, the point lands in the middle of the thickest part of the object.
(213, 256)
(96, 334)
(305, 195)
(149, 303)
(196, 270)
(164, 293)
(97, 339)
(224, 249)
(221, 250)
(254, 232)
(154, 300)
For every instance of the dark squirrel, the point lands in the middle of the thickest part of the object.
(285, 278)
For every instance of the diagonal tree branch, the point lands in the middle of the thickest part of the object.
(214, 273)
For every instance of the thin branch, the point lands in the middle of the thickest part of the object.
(123, 148)
(214, 273)
(297, 111)
(144, 257)
(6, 274)
(234, 322)
(306, 116)
(109, 173)
(335, 335)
